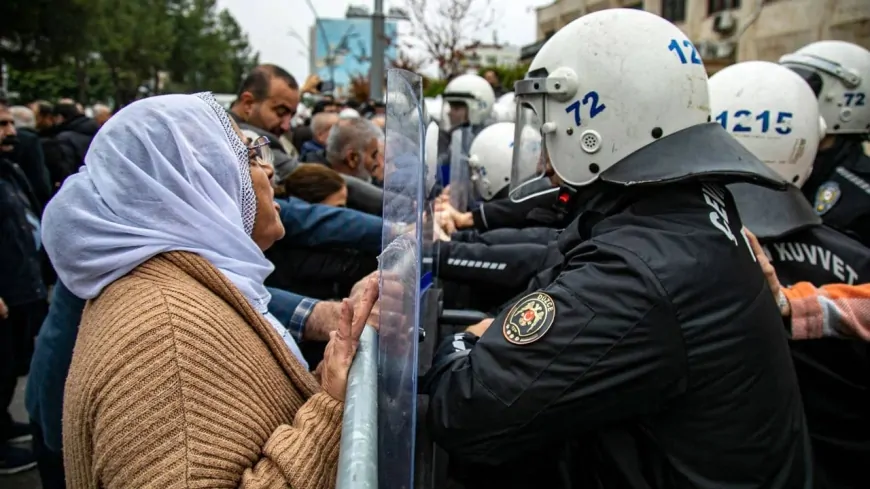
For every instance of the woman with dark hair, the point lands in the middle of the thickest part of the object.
(316, 184)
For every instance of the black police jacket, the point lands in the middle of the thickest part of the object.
(834, 374)
(530, 235)
(655, 359)
(482, 271)
(505, 213)
(839, 188)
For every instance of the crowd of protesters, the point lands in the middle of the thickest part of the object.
(152, 179)
(184, 285)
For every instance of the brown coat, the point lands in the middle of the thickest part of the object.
(176, 382)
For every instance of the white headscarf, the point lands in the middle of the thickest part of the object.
(166, 173)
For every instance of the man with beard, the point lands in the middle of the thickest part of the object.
(22, 292)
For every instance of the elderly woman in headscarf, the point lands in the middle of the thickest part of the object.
(180, 376)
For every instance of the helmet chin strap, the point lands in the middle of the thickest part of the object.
(565, 201)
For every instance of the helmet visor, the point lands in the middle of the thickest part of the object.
(529, 165)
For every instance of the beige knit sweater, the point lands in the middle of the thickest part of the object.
(176, 382)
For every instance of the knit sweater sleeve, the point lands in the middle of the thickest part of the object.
(833, 310)
(304, 455)
(157, 399)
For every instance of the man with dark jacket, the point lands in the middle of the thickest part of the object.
(29, 154)
(656, 356)
(314, 150)
(75, 131)
(266, 103)
(21, 290)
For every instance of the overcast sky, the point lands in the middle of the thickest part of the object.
(269, 24)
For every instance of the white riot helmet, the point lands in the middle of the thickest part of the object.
(607, 85)
(431, 148)
(433, 108)
(839, 74)
(771, 110)
(508, 99)
(503, 113)
(490, 159)
(476, 93)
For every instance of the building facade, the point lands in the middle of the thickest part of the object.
(729, 31)
(490, 55)
(341, 49)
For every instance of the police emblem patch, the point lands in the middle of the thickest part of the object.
(826, 197)
(529, 319)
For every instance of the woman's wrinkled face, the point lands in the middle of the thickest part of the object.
(268, 227)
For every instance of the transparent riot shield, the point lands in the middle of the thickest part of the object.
(460, 176)
(401, 267)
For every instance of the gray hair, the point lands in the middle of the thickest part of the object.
(23, 116)
(323, 121)
(98, 108)
(355, 134)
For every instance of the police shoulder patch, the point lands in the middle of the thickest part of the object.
(529, 319)
(826, 197)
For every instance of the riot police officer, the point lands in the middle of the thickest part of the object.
(656, 356)
(491, 172)
(469, 101)
(839, 187)
(496, 264)
(773, 113)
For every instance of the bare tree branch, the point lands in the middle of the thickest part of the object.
(447, 29)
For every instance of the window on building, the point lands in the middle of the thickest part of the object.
(492, 60)
(714, 6)
(637, 5)
(674, 10)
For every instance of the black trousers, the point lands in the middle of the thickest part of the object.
(49, 463)
(17, 333)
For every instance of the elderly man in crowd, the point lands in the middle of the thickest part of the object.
(28, 153)
(352, 148)
(101, 114)
(314, 150)
(43, 112)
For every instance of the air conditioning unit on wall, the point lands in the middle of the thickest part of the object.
(724, 23)
(713, 50)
